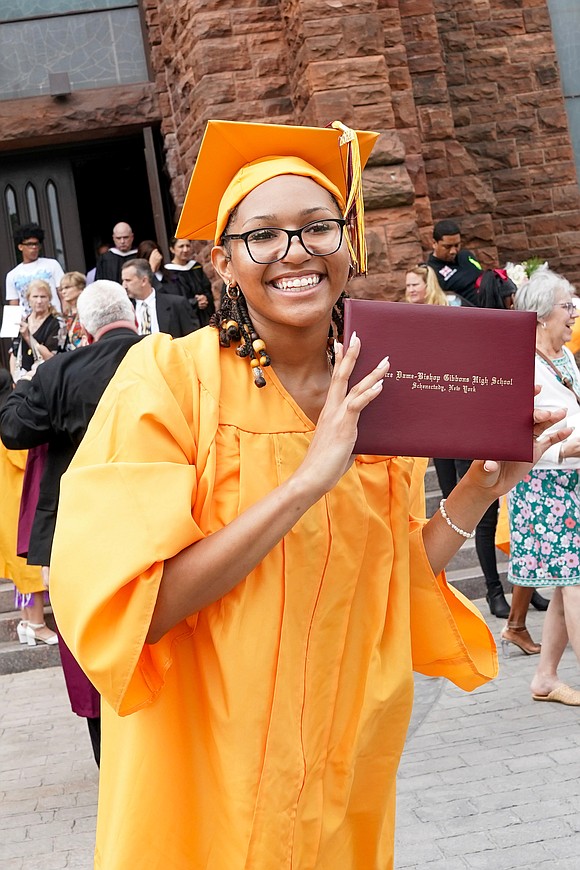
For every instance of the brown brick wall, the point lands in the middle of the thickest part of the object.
(509, 116)
(467, 97)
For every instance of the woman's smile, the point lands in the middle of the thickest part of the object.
(296, 283)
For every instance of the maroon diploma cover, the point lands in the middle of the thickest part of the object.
(460, 385)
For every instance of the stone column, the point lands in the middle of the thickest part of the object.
(338, 70)
(456, 188)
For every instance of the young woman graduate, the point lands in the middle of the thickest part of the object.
(253, 598)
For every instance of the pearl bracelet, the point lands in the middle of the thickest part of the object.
(452, 525)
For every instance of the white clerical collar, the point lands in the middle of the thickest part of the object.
(123, 253)
(178, 268)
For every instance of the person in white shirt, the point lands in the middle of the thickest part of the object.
(29, 239)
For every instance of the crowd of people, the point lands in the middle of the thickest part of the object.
(44, 418)
(253, 648)
(544, 508)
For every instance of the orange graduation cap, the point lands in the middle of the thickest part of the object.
(235, 157)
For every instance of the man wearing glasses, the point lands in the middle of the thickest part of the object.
(110, 264)
(28, 239)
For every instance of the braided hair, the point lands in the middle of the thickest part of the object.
(234, 323)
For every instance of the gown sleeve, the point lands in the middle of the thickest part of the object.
(449, 636)
(133, 496)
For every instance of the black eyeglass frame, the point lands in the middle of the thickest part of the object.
(291, 234)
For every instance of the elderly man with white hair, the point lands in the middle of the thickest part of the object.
(55, 406)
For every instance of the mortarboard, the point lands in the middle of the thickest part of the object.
(236, 157)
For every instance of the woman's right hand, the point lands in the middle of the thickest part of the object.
(331, 452)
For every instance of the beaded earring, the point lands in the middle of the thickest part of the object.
(336, 328)
(234, 324)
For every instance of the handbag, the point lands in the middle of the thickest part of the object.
(19, 371)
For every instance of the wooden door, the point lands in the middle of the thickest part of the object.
(40, 190)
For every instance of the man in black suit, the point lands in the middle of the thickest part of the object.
(156, 311)
(55, 406)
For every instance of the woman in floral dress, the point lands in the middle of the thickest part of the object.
(544, 507)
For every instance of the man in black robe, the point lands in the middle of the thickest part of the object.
(110, 263)
(55, 406)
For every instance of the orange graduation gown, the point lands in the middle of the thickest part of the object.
(265, 731)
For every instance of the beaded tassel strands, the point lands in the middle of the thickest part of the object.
(234, 324)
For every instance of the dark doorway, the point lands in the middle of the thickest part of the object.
(111, 185)
(77, 193)
(95, 185)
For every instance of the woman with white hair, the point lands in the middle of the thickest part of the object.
(544, 507)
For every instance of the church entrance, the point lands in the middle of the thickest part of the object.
(77, 193)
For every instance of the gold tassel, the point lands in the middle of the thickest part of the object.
(355, 209)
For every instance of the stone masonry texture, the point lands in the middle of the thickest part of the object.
(467, 97)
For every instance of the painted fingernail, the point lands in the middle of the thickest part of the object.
(383, 363)
(378, 386)
(353, 338)
(337, 346)
(487, 466)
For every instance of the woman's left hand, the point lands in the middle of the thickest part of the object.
(500, 477)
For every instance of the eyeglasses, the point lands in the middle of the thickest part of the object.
(30, 244)
(569, 306)
(270, 244)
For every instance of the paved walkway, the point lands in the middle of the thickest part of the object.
(491, 779)
(48, 777)
(488, 780)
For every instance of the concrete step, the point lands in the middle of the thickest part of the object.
(6, 595)
(472, 583)
(9, 621)
(16, 657)
(467, 557)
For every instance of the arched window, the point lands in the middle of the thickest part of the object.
(32, 203)
(11, 207)
(55, 224)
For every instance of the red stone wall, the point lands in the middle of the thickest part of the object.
(509, 113)
(467, 97)
(292, 61)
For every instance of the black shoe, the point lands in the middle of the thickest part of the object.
(498, 604)
(538, 601)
